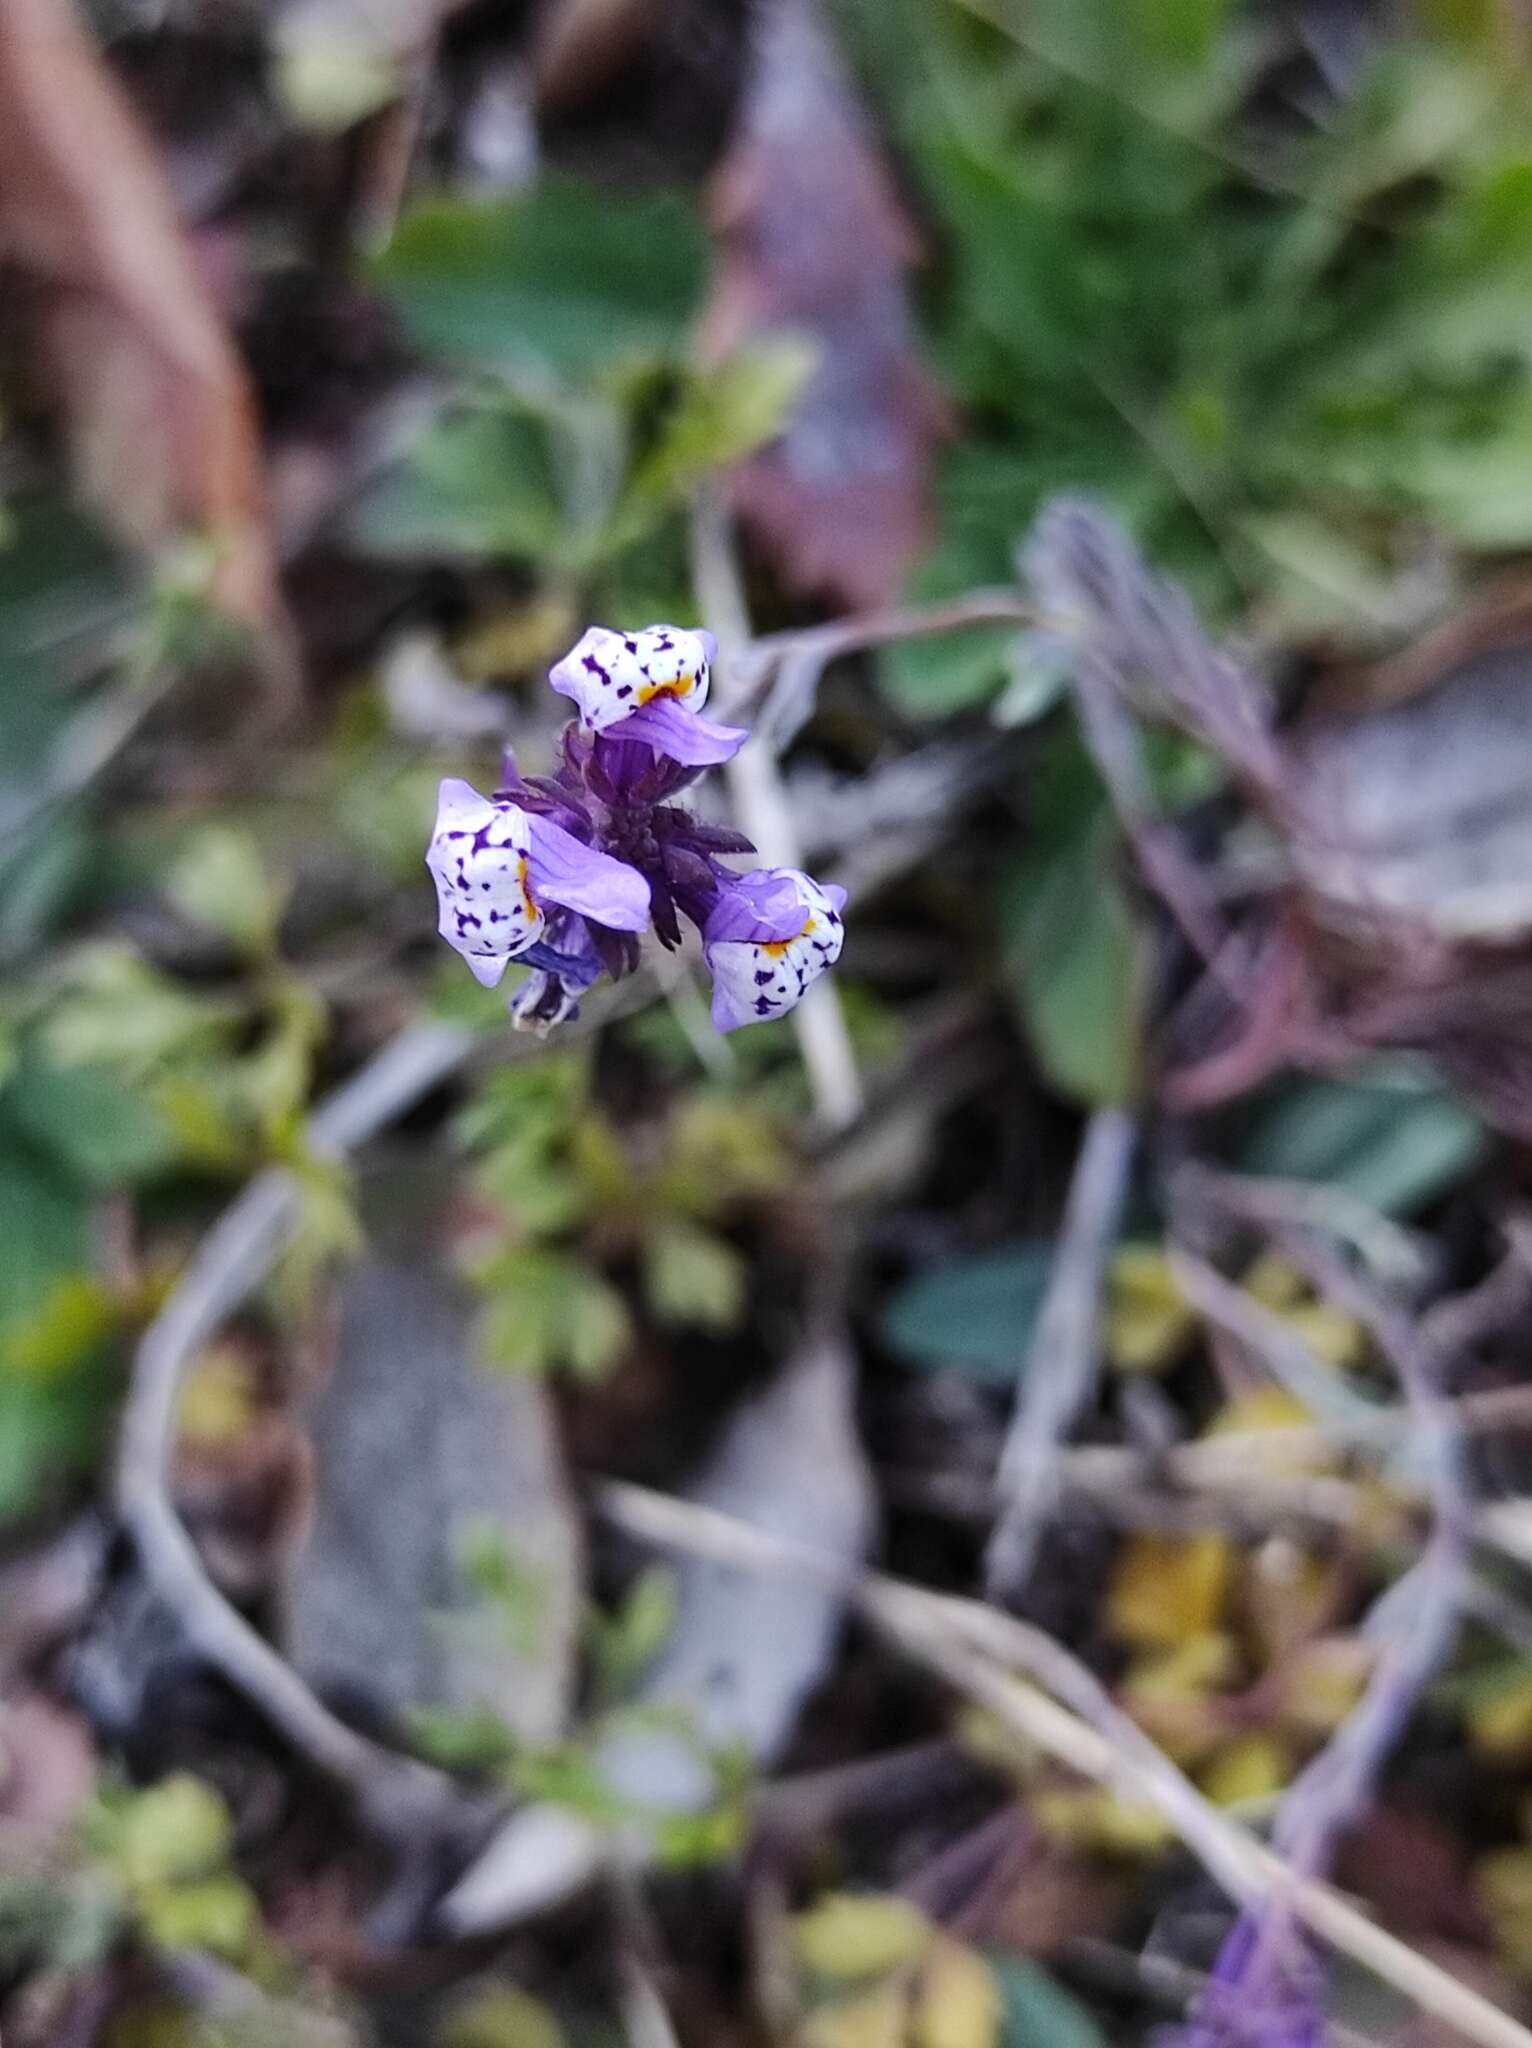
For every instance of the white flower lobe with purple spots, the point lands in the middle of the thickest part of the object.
(478, 861)
(610, 675)
(768, 941)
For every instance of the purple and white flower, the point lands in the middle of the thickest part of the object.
(562, 872)
(769, 936)
(499, 870)
(650, 686)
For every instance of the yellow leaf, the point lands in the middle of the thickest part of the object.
(1092, 1817)
(218, 1399)
(958, 2004)
(1499, 1716)
(74, 1318)
(1251, 1767)
(1263, 1412)
(502, 2016)
(1503, 1880)
(1167, 1589)
(1321, 1683)
(1334, 1337)
(849, 1935)
(873, 2019)
(1148, 1319)
(1289, 1595)
(1275, 1282)
(1330, 1334)
(1169, 1693)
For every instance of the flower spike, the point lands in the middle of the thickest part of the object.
(562, 872)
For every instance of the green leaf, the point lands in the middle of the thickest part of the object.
(91, 1124)
(480, 481)
(44, 1232)
(1036, 2012)
(174, 1832)
(501, 2016)
(625, 1644)
(1182, 31)
(974, 1315)
(691, 1275)
(547, 1310)
(560, 279)
(1073, 950)
(218, 1914)
(220, 880)
(115, 1010)
(722, 415)
(1386, 1135)
(948, 672)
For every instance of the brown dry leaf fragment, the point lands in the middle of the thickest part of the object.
(162, 424)
(813, 243)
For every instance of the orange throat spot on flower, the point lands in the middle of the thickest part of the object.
(526, 890)
(681, 687)
(775, 948)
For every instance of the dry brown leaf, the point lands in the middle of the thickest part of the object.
(162, 424)
(813, 243)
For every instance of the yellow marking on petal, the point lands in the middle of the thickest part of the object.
(681, 687)
(526, 890)
(777, 947)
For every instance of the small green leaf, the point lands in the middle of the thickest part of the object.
(1036, 2012)
(99, 1130)
(691, 1275)
(561, 278)
(948, 672)
(479, 482)
(974, 1315)
(722, 415)
(626, 1643)
(115, 1010)
(175, 1832)
(218, 1914)
(1073, 950)
(220, 880)
(44, 1232)
(548, 1310)
(1076, 961)
(1386, 1135)
(502, 2016)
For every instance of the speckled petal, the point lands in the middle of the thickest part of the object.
(478, 861)
(757, 979)
(609, 675)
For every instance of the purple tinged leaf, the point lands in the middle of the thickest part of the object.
(686, 869)
(565, 871)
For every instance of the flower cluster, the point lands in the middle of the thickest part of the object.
(565, 871)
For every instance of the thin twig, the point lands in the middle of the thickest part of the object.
(807, 651)
(1058, 1373)
(1414, 1625)
(765, 815)
(971, 1646)
(397, 1794)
